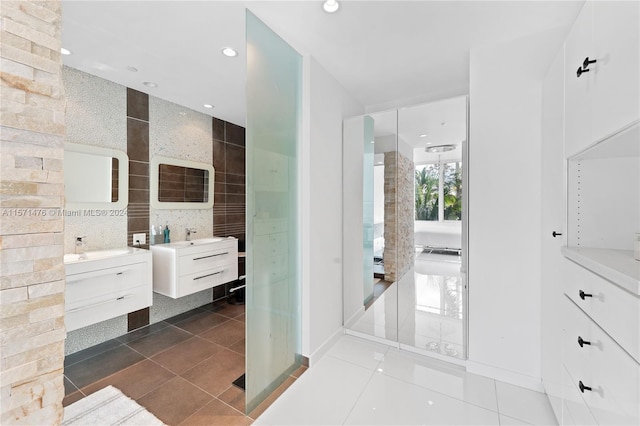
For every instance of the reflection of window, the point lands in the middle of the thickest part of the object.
(438, 191)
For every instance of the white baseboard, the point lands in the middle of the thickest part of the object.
(511, 377)
(322, 350)
(354, 318)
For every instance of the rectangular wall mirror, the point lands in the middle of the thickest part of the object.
(95, 177)
(181, 184)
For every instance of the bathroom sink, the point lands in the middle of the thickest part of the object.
(100, 254)
(197, 242)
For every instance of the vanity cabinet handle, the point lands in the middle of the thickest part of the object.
(587, 62)
(583, 387)
(212, 255)
(580, 71)
(582, 342)
(556, 234)
(208, 275)
(582, 294)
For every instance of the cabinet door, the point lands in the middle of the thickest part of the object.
(552, 221)
(578, 89)
(616, 75)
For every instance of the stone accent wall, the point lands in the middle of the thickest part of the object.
(399, 205)
(32, 120)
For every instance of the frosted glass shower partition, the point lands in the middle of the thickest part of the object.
(274, 72)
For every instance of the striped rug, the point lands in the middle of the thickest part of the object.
(108, 406)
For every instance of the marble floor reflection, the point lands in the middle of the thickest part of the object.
(424, 309)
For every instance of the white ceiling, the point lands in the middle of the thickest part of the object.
(385, 53)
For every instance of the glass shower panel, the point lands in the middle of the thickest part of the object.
(370, 202)
(274, 71)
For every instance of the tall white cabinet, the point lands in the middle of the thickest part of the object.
(591, 286)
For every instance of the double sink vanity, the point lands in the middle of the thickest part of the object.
(105, 284)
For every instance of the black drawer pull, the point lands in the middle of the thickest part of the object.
(580, 71)
(555, 234)
(120, 273)
(582, 342)
(208, 275)
(213, 255)
(583, 387)
(582, 294)
(587, 62)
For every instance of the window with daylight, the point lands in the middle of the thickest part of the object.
(438, 189)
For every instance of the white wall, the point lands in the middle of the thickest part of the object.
(325, 104)
(504, 207)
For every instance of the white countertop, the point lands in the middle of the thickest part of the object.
(617, 266)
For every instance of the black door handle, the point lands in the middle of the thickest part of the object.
(582, 294)
(583, 387)
(556, 234)
(582, 342)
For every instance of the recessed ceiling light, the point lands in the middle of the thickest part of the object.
(130, 68)
(443, 123)
(229, 51)
(65, 51)
(424, 135)
(207, 106)
(331, 6)
(149, 84)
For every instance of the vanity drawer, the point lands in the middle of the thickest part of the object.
(205, 260)
(89, 285)
(612, 308)
(602, 365)
(202, 280)
(575, 410)
(106, 306)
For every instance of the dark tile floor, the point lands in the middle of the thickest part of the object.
(180, 369)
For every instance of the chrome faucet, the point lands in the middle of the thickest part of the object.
(189, 232)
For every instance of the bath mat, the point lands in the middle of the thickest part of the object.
(108, 406)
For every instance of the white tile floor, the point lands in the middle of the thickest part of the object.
(423, 309)
(363, 383)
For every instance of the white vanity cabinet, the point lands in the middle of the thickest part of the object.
(183, 268)
(107, 284)
(605, 98)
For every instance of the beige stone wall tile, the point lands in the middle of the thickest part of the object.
(51, 188)
(50, 312)
(44, 102)
(51, 263)
(27, 306)
(32, 355)
(36, 150)
(26, 332)
(31, 278)
(14, 268)
(14, 321)
(16, 68)
(46, 289)
(25, 84)
(53, 164)
(20, 373)
(21, 139)
(12, 94)
(8, 187)
(31, 60)
(17, 12)
(35, 163)
(17, 347)
(13, 295)
(27, 226)
(37, 205)
(22, 30)
(30, 253)
(37, 10)
(31, 123)
(13, 40)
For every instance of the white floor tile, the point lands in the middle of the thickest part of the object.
(524, 404)
(324, 395)
(389, 401)
(440, 377)
(359, 351)
(509, 421)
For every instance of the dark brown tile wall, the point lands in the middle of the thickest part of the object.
(138, 208)
(229, 189)
(115, 179)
